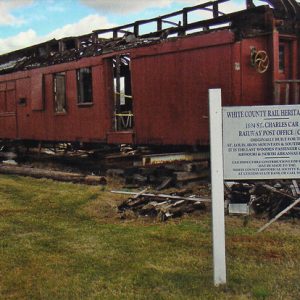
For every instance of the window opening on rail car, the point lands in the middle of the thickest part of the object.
(281, 59)
(84, 86)
(123, 101)
(59, 89)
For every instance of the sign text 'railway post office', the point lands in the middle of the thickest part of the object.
(261, 142)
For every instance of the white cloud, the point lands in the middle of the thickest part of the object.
(30, 37)
(121, 6)
(21, 40)
(89, 23)
(56, 8)
(6, 6)
(232, 6)
(85, 25)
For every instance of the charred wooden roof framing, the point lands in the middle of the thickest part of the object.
(243, 23)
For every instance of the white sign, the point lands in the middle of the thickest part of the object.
(261, 142)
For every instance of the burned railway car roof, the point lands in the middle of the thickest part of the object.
(252, 21)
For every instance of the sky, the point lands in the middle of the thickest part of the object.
(28, 22)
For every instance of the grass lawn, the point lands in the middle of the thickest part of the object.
(65, 241)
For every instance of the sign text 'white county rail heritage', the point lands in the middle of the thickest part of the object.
(261, 142)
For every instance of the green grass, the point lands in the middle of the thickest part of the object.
(65, 241)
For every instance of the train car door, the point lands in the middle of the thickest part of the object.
(286, 86)
(123, 99)
(120, 99)
(8, 119)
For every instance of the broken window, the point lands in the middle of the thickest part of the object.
(123, 107)
(59, 89)
(84, 86)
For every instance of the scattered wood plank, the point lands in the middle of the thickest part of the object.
(140, 193)
(50, 174)
(165, 183)
(266, 198)
(190, 176)
(274, 190)
(295, 184)
(279, 215)
(294, 192)
(164, 196)
(161, 206)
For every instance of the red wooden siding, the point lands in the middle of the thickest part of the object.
(171, 90)
(256, 89)
(79, 123)
(170, 83)
(37, 91)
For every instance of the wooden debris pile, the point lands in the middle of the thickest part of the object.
(163, 176)
(161, 206)
(266, 198)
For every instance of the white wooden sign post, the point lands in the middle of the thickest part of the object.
(218, 219)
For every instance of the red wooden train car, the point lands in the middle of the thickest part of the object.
(150, 88)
